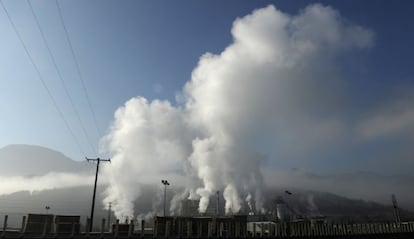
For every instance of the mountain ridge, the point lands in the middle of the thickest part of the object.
(330, 195)
(33, 160)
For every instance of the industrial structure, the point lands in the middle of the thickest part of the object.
(200, 227)
(237, 226)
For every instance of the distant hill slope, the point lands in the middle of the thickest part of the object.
(368, 186)
(309, 196)
(29, 160)
(339, 209)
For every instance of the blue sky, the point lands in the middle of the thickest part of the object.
(149, 48)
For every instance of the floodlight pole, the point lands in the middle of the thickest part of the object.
(47, 209)
(166, 183)
(98, 160)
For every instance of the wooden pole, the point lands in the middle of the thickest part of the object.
(6, 217)
(23, 226)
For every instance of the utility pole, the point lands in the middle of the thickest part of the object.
(396, 209)
(98, 160)
(109, 216)
(166, 183)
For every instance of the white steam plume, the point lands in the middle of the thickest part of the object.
(149, 143)
(278, 71)
(249, 202)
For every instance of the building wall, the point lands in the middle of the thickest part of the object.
(234, 226)
(38, 223)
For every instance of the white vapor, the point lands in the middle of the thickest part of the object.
(279, 71)
(52, 180)
(148, 142)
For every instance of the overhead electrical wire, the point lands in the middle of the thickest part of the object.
(78, 68)
(40, 77)
(61, 78)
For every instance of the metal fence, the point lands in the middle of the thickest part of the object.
(204, 228)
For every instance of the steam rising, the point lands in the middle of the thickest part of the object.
(278, 70)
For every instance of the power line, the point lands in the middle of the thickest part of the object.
(61, 78)
(41, 78)
(78, 68)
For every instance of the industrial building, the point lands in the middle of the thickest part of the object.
(196, 227)
(48, 223)
(237, 226)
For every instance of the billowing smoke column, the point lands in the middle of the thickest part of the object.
(278, 69)
(148, 141)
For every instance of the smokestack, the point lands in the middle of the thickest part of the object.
(218, 204)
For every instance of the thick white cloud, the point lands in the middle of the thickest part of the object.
(277, 83)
